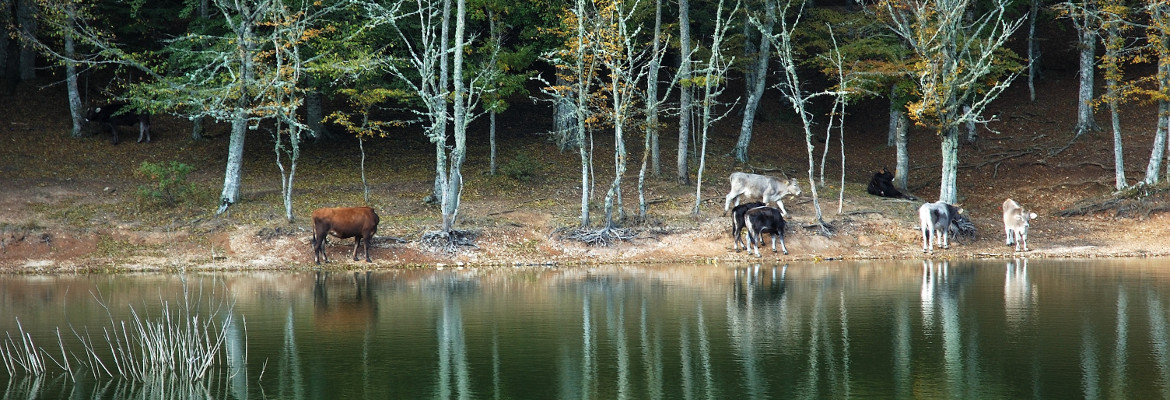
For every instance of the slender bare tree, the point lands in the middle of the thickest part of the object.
(714, 82)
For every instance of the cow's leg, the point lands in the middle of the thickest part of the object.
(316, 251)
(143, 131)
(320, 247)
(1008, 231)
(366, 243)
(736, 232)
(357, 242)
(782, 246)
(756, 239)
(925, 240)
(774, 242)
(783, 212)
(114, 131)
(727, 201)
(945, 237)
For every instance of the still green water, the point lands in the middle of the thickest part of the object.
(961, 329)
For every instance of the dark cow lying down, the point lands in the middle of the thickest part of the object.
(359, 223)
(882, 184)
(114, 114)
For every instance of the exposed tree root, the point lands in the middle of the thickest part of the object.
(598, 237)
(1139, 201)
(448, 242)
(963, 230)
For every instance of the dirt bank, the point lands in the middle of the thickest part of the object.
(72, 204)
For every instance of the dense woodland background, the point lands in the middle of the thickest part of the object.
(309, 76)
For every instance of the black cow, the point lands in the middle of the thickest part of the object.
(882, 184)
(763, 220)
(115, 114)
(737, 222)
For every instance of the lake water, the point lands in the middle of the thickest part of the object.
(961, 329)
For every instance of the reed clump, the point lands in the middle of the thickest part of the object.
(179, 344)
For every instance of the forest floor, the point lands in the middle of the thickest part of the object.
(72, 204)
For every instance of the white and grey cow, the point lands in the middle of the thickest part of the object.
(1015, 223)
(935, 220)
(765, 188)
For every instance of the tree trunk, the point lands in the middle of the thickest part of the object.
(492, 142)
(1088, 47)
(1112, 94)
(971, 136)
(75, 112)
(1033, 50)
(650, 141)
(315, 114)
(642, 206)
(651, 145)
(582, 83)
(235, 162)
(565, 119)
(455, 177)
(1118, 156)
(439, 121)
(902, 167)
(619, 160)
(892, 131)
(26, 11)
(948, 189)
(684, 101)
(245, 77)
(1159, 149)
(757, 84)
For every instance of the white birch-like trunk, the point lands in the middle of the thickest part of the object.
(948, 188)
(713, 74)
(684, 100)
(1033, 50)
(902, 157)
(492, 142)
(565, 119)
(246, 51)
(439, 113)
(1112, 94)
(1088, 47)
(971, 136)
(650, 141)
(652, 95)
(583, 78)
(75, 112)
(455, 178)
(1158, 152)
(235, 161)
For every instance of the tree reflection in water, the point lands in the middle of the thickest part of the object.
(931, 329)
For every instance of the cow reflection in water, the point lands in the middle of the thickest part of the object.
(343, 304)
(755, 285)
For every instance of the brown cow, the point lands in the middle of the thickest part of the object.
(359, 223)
